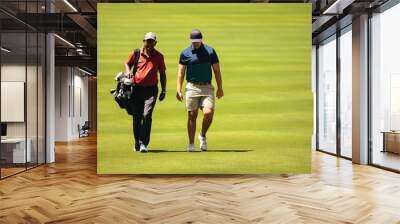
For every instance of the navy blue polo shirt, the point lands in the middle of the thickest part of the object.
(198, 63)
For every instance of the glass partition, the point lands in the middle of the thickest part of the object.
(22, 77)
(385, 89)
(346, 92)
(13, 102)
(327, 95)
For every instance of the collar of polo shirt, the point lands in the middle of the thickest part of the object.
(193, 49)
(152, 53)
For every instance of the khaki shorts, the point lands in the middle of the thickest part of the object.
(199, 96)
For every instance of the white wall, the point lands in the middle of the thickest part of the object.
(79, 102)
(81, 84)
(12, 73)
(33, 127)
(61, 103)
(71, 94)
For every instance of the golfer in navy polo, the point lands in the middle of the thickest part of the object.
(198, 62)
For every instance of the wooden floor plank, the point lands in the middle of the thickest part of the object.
(70, 191)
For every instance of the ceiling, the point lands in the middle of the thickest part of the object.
(331, 15)
(75, 21)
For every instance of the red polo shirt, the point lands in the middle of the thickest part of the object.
(147, 68)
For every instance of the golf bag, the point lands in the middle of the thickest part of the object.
(123, 91)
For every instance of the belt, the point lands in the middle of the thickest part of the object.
(141, 86)
(200, 83)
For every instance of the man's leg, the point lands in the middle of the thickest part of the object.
(137, 117)
(208, 115)
(191, 125)
(207, 103)
(137, 125)
(192, 107)
(149, 104)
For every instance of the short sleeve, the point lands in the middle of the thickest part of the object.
(182, 60)
(161, 66)
(129, 62)
(214, 57)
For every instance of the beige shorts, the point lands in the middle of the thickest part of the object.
(199, 96)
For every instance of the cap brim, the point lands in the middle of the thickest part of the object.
(150, 39)
(195, 40)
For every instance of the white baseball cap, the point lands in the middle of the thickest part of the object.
(150, 36)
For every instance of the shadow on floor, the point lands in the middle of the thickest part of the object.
(222, 150)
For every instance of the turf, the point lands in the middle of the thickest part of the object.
(264, 122)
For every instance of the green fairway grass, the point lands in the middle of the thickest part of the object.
(263, 124)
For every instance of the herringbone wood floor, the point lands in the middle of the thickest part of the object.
(69, 191)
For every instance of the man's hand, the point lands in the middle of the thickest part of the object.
(179, 95)
(162, 96)
(128, 75)
(220, 93)
(179, 81)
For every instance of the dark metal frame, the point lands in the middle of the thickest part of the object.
(0, 87)
(369, 82)
(45, 89)
(338, 76)
(316, 97)
(44, 70)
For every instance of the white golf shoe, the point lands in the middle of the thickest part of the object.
(190, 148)
(203, 143)
(143, 148)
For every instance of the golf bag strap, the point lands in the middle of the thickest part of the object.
(135, 61)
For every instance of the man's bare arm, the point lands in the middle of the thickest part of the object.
(218, 79)
(163, 80)
(127, 69)
(179, 81)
